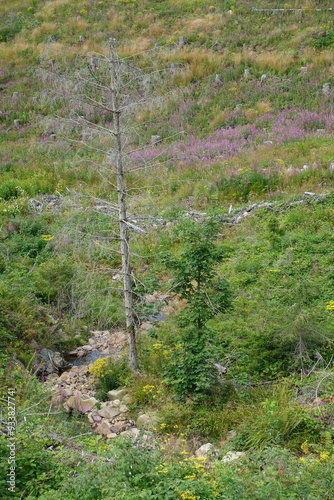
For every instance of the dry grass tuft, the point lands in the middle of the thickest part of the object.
(43, 30)
(49, 10)
(273, 60)
(77, 24)
(263, 106)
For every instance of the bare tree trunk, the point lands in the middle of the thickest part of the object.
(127, 285)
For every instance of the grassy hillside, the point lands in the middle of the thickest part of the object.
(245, 112)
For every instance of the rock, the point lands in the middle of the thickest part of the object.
(81, 402)
(303, 70)
(52, 39)
(246, 73)
(204, 450)
(93, 63)
(111, 435)
(307, 193)
(94, 418)
(114, 403)
(238, 106)
(118, 427)
(124, 409)
(52, 62)
(155, 139)
(264, 77)
(182, 42)
(230, 435)
(53, 137)
(15, 95)
(233, 456)
(109, 412)
(67, 392)
(83, 370)
(81, 38)
(331, 167)
(116, 394)
(104, 428)
(17, 124)
(268, 142)
(326, 88)
(321, 131)
(134, 433)
(218, 78)
(305, 167)
(146, 421)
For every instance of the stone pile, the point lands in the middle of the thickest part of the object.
(106, 343)
(74, 389)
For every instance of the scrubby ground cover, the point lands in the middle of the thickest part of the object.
(262, 135)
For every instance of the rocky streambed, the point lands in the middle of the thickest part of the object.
(74, 389)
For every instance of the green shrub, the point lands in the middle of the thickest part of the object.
(52, 278)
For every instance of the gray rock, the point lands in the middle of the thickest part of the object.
(15, 95)
(326, 88)
(331, 167)
(118, 427)
(52, 39)
(93, 63)
(17, 124)
(155, 139)
(230, 456)
(264, 77)
(204, 450)
(246, 73)
(218, 78)
(238, 106)
(108, 412)
(81, 402)
(81, 39)
(104, 428)
(116, 394)
(303, 70)
(321, 131)
(182, 42)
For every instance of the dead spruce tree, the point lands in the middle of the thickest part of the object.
(108, 87)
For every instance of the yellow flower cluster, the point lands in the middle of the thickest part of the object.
(100, 368)
(151, 391)
(330, 306)
(47, 237)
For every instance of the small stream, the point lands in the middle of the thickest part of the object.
(84, 360)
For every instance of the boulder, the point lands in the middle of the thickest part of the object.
(204, 450)
(118, 427)
(111, 435)
(104, 428)
(116, 394)
(108, 412)
(231, 455)
(81, 402)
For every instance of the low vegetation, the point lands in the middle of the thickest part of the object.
(244, 359)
